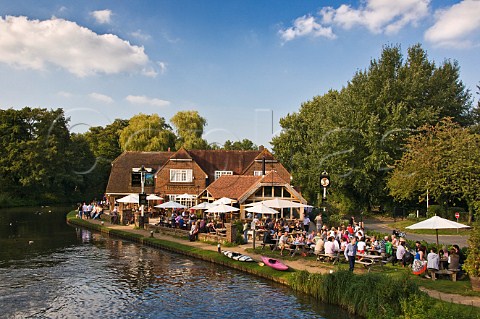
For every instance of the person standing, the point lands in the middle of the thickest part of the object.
(319, 222)
(306, 223)
(351, 252)
(245, 232)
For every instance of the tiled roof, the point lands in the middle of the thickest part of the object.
(122, 165)
(232, 186)
(222, 160)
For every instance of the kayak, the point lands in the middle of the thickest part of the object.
(274, 263)
(237, 256)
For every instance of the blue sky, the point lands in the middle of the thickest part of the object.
(241, 64)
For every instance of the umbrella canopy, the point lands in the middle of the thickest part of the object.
(282, 203)
(262, 209)
(223, 200)
(186, 196)
(222, 208)
(170, 204)
(130, 198)
(204, 205)
(437, 223)
(154, 197)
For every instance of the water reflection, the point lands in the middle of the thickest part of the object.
(111, 278)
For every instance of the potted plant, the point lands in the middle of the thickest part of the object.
(472, 263)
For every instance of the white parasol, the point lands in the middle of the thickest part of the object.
(223, 200)
(261, 208)
(154, 197)
(204, 205)
(437, 223)
(170, 204)
(130, 198)
(222, 208)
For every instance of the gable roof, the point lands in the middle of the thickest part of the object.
(223, 160)
(240, 187)
(232, 186)
(122, 165)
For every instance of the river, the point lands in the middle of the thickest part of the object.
(49, 269)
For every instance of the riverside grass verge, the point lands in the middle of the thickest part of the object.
(370, 295)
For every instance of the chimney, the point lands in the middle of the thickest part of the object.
(169, 149)
(260, 148)
(263, 166)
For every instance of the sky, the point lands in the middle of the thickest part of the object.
(242, 64)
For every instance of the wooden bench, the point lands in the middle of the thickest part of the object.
(452, 273)
(328, 257)
(154, 221)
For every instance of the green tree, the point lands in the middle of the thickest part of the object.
(357, 133)
(443, 159)
(244, 144)
(104, 145)
(37, 155)
(147, 133)
(189, 126)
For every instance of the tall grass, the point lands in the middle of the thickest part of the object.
(378, 295)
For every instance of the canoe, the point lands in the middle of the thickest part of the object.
(237, 256)
(274, 263)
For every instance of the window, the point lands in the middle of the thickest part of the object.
(257, 173)
(220, 173)
(181, 175)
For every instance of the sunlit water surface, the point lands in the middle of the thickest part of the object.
(73, 273)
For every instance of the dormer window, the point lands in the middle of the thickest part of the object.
(181, 175)
(220, 173)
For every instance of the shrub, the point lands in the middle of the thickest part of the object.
(472, 263)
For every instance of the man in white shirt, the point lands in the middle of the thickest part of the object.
(306, 223)
(329, 246)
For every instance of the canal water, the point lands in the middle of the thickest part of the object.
(49, 269)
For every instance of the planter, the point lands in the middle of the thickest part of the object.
(475, 281)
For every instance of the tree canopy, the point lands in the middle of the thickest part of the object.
(444, 160)
(356, 134)
(147, 133)
(189, 126)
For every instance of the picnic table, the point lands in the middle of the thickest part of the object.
(368, 260)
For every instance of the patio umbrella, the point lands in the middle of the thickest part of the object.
(130, 198)
(204, 205)
(437, 223)
(261, 208)
(282, 203)
(170, 204)
(186, 196)
(154, 197)
(222, 208)
(223, 200)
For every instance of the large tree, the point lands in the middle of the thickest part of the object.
(445, 161)
(189, 126)
(244, 144)
(147, 133)
(37, 155)
(357, 133)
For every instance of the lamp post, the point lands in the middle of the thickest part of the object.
(324, 183)
(142, 198)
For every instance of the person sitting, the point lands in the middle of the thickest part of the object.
(330, 247)
(283, 242)
(453, 260)
(319, 246)
(193, 234)
(433, 262)
(400, 253)
(267, 239)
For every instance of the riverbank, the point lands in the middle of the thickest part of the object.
(302, 270)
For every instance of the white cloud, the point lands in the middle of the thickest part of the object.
(101, 97)
(378, 16)
(306, 26)
(102, 16)
(163, 67)
(140, 35)
(454, 25)
(141, 99)
(34, 44)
